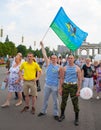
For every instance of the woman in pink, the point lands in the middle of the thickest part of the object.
(98, 84)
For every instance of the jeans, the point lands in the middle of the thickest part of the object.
(88, 82)
(47, 91)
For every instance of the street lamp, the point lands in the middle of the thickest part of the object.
(34, 44)
(22, 39)
(1, 33)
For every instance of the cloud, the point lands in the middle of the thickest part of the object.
(15, 6)
(11, 27)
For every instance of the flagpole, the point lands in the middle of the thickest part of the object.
(45, 33)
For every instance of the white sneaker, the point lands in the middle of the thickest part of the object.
(97, 97)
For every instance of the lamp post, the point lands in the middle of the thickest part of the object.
(1, 33)
(34, 45)
(22, 39)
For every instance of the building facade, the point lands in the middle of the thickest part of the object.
(90, 49)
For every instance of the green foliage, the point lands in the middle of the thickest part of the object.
(10, 48)
(30, 48)
(1, 49)
(49, 53)
(7, 39)
(37, 53)
(22, 49)
(7, 48)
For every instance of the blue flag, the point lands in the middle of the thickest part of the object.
(71, 35)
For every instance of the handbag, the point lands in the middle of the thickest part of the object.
(3, 85)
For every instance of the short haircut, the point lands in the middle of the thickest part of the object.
(71, 55)
(30, 53)
(54, 55)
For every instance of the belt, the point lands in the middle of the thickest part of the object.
(29, 80)
(70, 83)
(88, 77)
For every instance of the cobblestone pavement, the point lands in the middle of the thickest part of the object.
(12, 119)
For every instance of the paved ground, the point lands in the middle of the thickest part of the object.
(12, 119)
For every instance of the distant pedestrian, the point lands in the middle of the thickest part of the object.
(87, 74)
(37, 81)
(98, 81)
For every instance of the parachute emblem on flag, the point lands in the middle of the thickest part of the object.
(71, 29)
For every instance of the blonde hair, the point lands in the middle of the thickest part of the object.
(19, 57)
(20, 54)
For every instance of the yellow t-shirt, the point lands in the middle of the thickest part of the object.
(30, 70)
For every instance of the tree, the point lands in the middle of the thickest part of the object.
(22, 49)
(48, 51)
(1, 49)
(30, 48)
(9, 49)
(38, 53)
(7, 39)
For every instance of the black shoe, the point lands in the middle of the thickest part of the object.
(38, 89)
(56, 117)
(41, 114)
(76, 122)
(61, 118)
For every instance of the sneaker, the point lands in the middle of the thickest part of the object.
(19, 103)
(61, 118)
(25, 109)
(33, 110)
(6, 104)
(41, 114)
(97, 97)
(56, 117)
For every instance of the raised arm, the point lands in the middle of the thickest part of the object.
(44, 53)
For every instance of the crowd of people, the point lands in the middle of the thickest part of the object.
(63, 76)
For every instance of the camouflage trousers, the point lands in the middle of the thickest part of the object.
(69, 90)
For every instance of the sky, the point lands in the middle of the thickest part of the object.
(32, 18)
